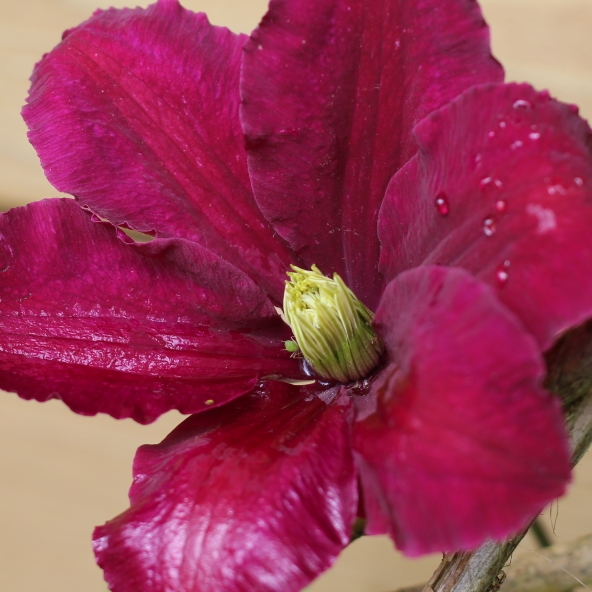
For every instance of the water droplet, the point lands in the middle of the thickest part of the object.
(517, 144)
(534, 135)
(442, 204)
(502, 124)
(501, 205)
(489, 226)
(522, 104)
(501, 273)
(554, 189)
(579, 181)
(490, 181)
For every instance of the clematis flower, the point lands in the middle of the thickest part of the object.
(374, 140)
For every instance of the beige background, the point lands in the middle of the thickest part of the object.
(61, 474)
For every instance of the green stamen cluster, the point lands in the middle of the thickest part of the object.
(331, 327)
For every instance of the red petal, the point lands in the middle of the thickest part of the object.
(512, 169)
(132, 330)
(471, 447)
(259, 495)
(136, 114)
(331, 90)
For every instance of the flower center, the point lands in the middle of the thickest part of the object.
(331, 327)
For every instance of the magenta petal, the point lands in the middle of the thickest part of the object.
(259, 495)
(136, 114)
(132, 330)
(501, 187)
(471, 446)
(331, 90)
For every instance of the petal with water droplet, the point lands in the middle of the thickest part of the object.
(132, 330)
(546, 231)
(471, 447)
(259, 495)
(329, 122)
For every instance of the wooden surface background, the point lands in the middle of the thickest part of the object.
(61, 474)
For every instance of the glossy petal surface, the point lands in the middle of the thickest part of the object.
(471, 447)
(331, 90)
(132, 330)
(136, 114)
(512, 170)
(258, 495)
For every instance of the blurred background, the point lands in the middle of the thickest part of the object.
(61, 474)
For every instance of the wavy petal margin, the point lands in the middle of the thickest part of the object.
(502, 186)
(258, 495)
(127, 329)
(135, 113)
(471, 446)
(331, 90)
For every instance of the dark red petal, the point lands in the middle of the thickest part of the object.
(136, 114)
(470, 446)
(331, 91)
(132, 330)
(502, 187)
(258, 495)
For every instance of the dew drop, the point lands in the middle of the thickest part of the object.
(502, 124)
(517, 144)
(487, 182)
(522, 104)
(579, 181)
(442, 205)
(489, 226)
(491, 134)
(556, 189)
(502, 272)
(501, 205)
(534, 135)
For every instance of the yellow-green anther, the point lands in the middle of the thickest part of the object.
(331, 327)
